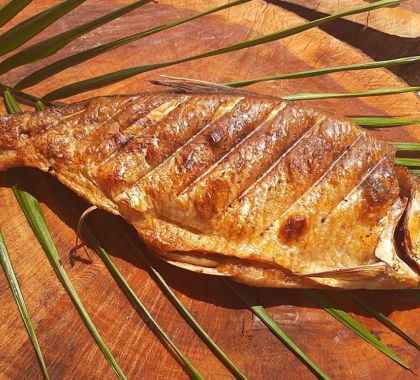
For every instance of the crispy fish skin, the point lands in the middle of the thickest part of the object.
(234, 184)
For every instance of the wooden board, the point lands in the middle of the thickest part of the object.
(70, 351)
(403, 20)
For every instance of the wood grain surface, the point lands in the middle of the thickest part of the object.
(403, 20)
(69, 350)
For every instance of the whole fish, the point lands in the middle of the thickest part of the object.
(237, 184)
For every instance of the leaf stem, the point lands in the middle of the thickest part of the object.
(7, 266)
(323, 71)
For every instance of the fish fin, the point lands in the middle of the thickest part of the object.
(353, 273)
(196, 268)
(411, 221)
(195, 86)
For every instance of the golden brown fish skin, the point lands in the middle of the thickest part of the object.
(232, 184)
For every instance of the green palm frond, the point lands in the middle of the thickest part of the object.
(78, 58)
(11, 9)
(344, 318)
(11, 105)
(408, 161)
(324, 71)
(9, 272)
(382, 318)
(406, 146)
(134, 299)
(183, 310)
(53, 44)
(29, 28)
(245, 295)
(117, 76)
(383, 122)
(32, 210)
(361, 94)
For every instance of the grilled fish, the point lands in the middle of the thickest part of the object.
(236, 184)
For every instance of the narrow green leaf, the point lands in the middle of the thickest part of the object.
(407, 161)
(415, 171)
(378, 92)
(382, 318)
(9, 272)
(383, 122)
(406, 146)
(125, 287)
(262, 314)
(29, 28)
(132, 296)
(11, 105)
(183, 310)
(25, 97)
(11, 9)
(39, 105)
(32, 210)
(75, 59)
(53, 44)
(106, 79)
(353, 325)
(328, 70)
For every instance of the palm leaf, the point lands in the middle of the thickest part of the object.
(183, 310)
(21, 95)
(132, 296)
(53, 44)
(383, 122)
(106, 79)
(11, 9)
(407, 161)
(32, 210)
(9, 272)
(353, 325)
(262, 314)
(29, 28)
(11, 105)
(362, 94)
(406, 146)
(328, 70)
(75, 59)
(382, 318)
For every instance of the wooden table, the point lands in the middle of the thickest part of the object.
(69, 350)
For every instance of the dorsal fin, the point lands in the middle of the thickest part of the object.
(195, 86)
